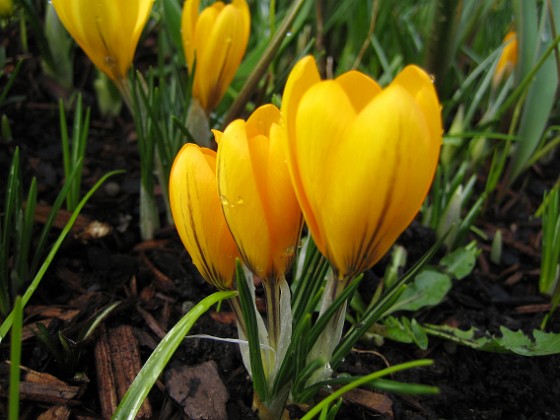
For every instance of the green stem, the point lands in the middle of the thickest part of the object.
(260, 68)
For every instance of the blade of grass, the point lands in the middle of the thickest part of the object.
(152, 369)
(364, 380)
(15, 359)
(6, 325)
(267, 57)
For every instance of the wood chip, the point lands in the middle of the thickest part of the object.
(514, 278)
(117, 362)
(371, 401)
(162, 281)
(105, 380)
(152, 322)
(533, 309)
(52, 393)
(56, 412)
(126, 363)
(199, 390)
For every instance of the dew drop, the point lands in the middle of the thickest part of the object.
(432, 78)
(231, 203)
(290, 251)
(110, 61)
(224, 200)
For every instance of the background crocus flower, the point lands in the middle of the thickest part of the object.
(258, 199)
(508, 58)
(361, 158)
(6, 8)
(197, 212)
(218, 38)
(107, 30)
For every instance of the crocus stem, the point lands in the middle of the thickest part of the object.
(149, 215)
(330, 336)
(197, 124)
(272, 293)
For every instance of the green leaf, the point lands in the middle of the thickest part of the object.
(461, 262)
(172, 21)
(152, 369)
(15, 358)
(404, 330)
(428, 289)
(516, 342)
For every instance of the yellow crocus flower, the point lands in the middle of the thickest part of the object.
(361, 158)
(508, 58)
(107, 30)
(218, 37)
(6, 8)
(258, 199)
(197, 212)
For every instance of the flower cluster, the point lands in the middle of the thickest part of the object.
(357, 159)
(352, 160)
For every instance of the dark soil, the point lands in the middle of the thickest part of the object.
(156, 283)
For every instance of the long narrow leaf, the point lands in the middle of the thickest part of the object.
(152, 369)
(15, 358)
(6, 325)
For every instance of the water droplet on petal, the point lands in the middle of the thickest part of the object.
(110, 61)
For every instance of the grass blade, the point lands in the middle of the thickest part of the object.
(154, 366)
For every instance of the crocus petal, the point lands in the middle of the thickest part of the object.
(323, 115)
(359, 88)
(361, 158)
(387, 149)
(107, 31)
(218, 36)
(508, 58)
(257, 197)
(197, 212)
(188, 28)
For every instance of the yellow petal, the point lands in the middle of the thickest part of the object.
(198, 216)
(359, 88)
(323, 116)
(240, 196)
(301, 78)
(188, 27)
(106, 30)
(417, 82)
(383, 168)
(218, 37)
(508, 58)
(257, 196)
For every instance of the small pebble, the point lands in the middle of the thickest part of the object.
(112, 188)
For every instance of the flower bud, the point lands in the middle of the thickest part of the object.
(215, 39)
(197, 212)
(361, 158)
(257, 196)
(107, 30)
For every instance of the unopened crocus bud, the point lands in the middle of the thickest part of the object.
(508, 58)
(107, 30)
(197, 212)
(6, 8)
(257, 196)
(215, 39)
(361, 158)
